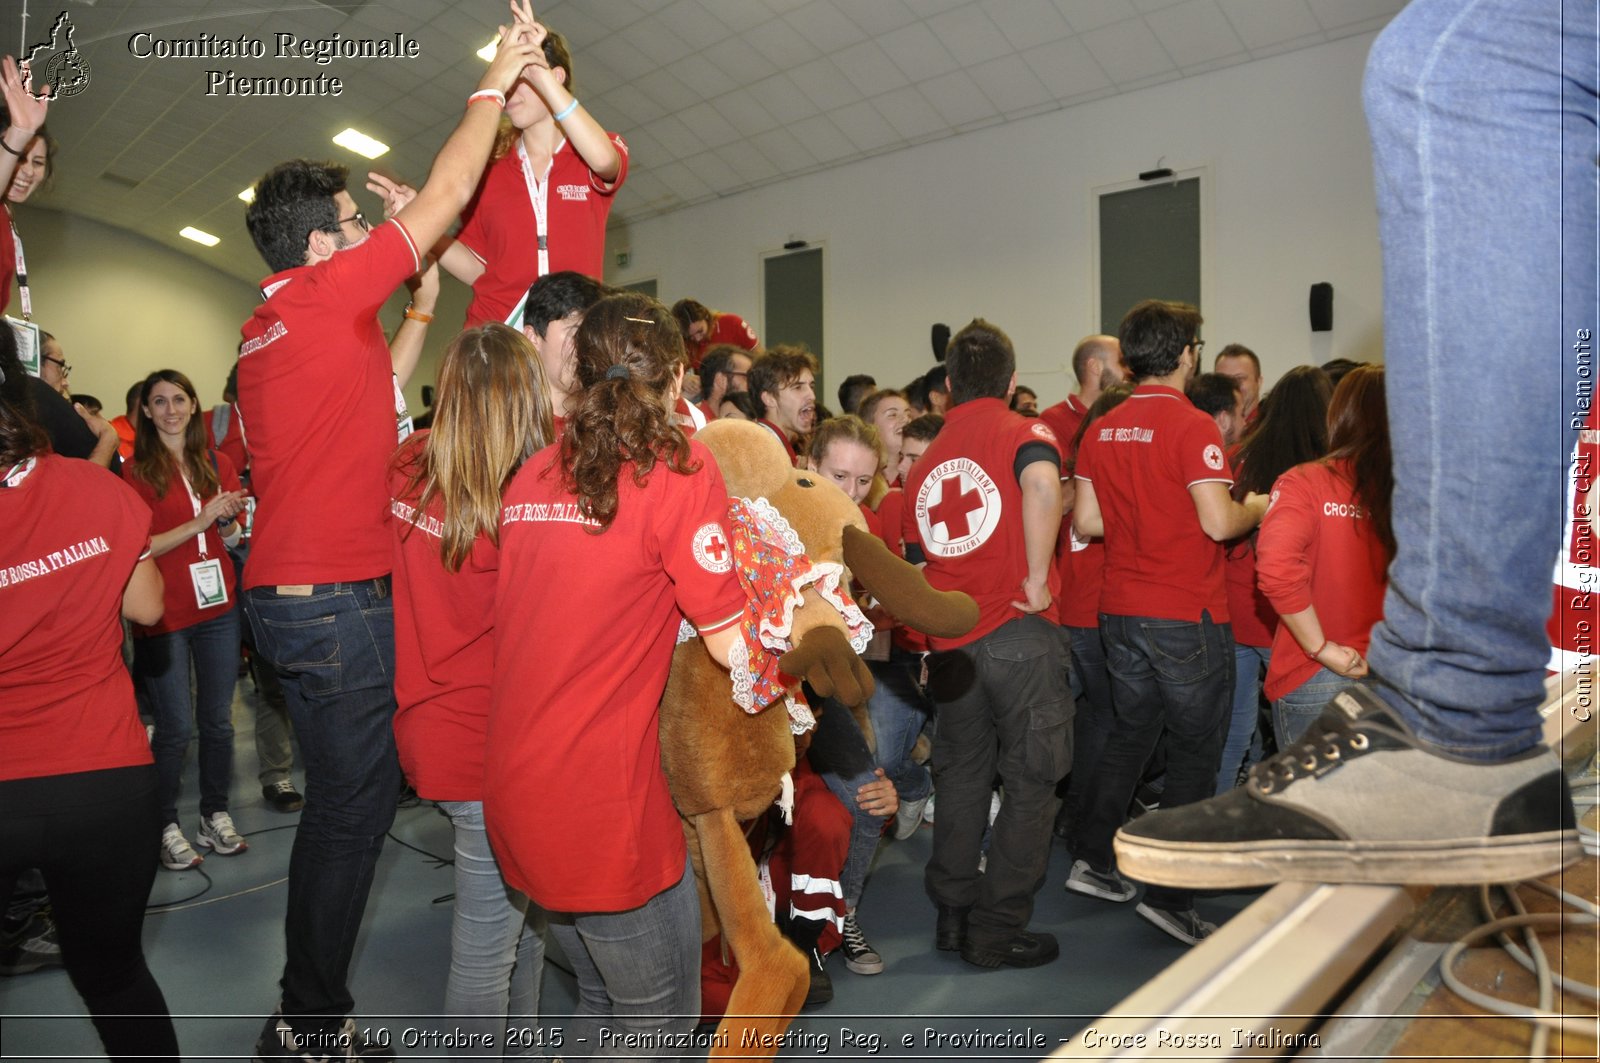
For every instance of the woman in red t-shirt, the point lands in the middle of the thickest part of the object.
(1291, 429)
(544, 199)
(1323, 557)
(608, 540)
(194, 493)
(492, 412)
(76, 783)
(25, 154)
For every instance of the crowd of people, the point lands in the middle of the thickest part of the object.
(1182, 579)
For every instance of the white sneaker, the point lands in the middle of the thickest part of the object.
(218, 835)
(927, 809)
(176, 852)
(909, 818)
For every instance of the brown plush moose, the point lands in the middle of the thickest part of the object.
(725, 765)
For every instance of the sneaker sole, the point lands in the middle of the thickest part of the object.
(1243, 865)
(1148, 915)
(1095, 891)
(217, 847)
(993, 960)
(864, 966)
(198, 860)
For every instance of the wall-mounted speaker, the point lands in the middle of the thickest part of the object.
(1322, 307)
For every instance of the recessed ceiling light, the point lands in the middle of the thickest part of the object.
(487, 52)
(189, 232)
(249, 194)
(361, 144)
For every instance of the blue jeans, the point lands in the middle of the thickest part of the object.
(899, 710)
(162, 663)
(334, 652)
(1483, 122)
(1167, 676)
(1248, 664)
(496, 947)
(1005, 707)
(1091, 725)
(841, 757)
(1295, 712)
(638, 971)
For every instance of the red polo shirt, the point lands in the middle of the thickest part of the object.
(964, 508)
(499, 227)
(173, 509)
(725, 328)
(73, 534)
(316, 401)
(576, 801)
(1142, 457)
(1064, 419)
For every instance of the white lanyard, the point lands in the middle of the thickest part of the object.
(22, 275)
(19, 472)
(194, 500)
(539, 196)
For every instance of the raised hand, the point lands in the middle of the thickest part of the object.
(395, 195)
(26, 112)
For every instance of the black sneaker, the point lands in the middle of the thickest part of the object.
(1186, 926)
(279, 1043)
(951, 931)
(282, 796)
(1025, 948)
(859, 955)
(821, 990)
(1361, 799)
(32, 946)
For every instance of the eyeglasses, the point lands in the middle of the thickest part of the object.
(360, 219)
(65, 368)
(1196, 345)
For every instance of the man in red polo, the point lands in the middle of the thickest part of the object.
(316, 401)
(784, 381)
(982, 508)
(1153, 480)
(1097, 364)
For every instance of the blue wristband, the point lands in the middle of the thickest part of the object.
(566, 111)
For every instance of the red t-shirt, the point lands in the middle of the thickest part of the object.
(575, 799)
(182, 609)
(1141, 458)
(1254, 622)
(1064, 418)
(964, 508)
(73, 533)
(316, 401)
(499, 227)
(8, 254)
(1317, 547)
(725, 328)
(443, 645)
(1083, 566)
(1575, 612)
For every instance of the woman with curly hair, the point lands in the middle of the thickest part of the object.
(606, 540)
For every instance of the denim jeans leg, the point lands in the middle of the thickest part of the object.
(866, 832)
(161, 663)
(1484, 149)
(334, 652)
(1295, 712)
(214, 646)
(898, 710)
(1248, 665)
(1091, 725)
(1171, 677)
(496, 951)
(638, 971)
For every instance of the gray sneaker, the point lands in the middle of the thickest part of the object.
(1107, 885)
(1362, 799)
(1186, 926)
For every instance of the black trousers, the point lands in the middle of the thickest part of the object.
(95, 835)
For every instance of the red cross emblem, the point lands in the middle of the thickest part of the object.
(954, 506)
(716, 547)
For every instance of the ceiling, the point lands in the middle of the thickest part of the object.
(714, 97)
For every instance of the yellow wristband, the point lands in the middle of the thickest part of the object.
(417, 315)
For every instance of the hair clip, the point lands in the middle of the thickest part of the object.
(640, 320)
(618, 372)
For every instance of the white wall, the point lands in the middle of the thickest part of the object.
(123, 306)
(999, 223)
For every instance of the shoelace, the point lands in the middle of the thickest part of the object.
(1322, 747)
(854, 939)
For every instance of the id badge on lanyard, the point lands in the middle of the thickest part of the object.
(210, 588)
(539, 196)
